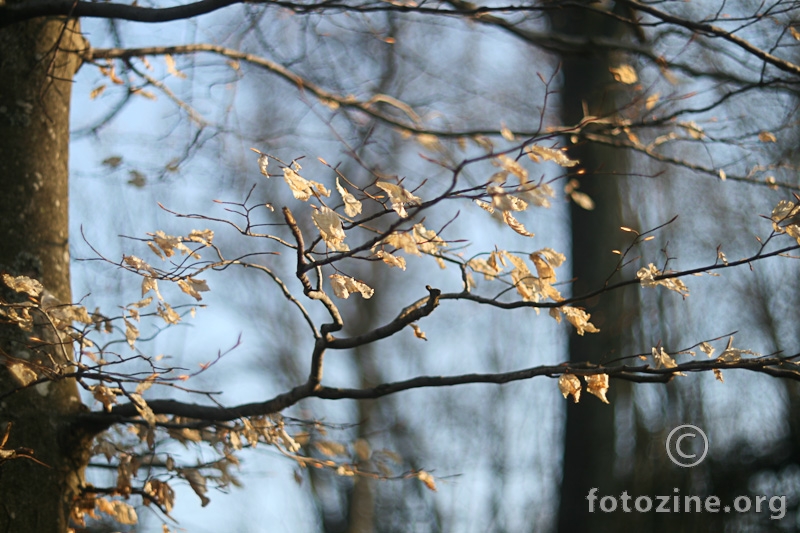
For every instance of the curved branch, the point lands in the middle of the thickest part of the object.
(783, 367)
(12, 13)
(716, 31)
(412, 313)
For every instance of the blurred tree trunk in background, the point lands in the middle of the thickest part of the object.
(589, 438)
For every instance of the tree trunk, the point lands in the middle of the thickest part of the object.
(589, 441)
(37, 70)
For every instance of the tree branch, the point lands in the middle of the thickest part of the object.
(783, 367)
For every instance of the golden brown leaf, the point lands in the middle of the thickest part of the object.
(597, 384)
(535, 152)
(344, 286)
(352, 207)
(515, 224)
(569, 384)
(330, 228)
(767, 137)
(399, 197)
(624, 74)
(418, 333)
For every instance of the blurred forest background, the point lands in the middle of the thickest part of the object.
(686, 123)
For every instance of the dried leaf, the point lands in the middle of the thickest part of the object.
(707, 349)
(263, 162)
(142, 408)
(113, 161)
(193, 287)
(204, 237)
(767, 137)
(515, 224)
(399, 197)
(506, 133)
(303, 189)
(391, 260)
(732, 355)
(329, 448)
(426, 240)
(167, 313)
(418, 333)
(578, 318)
(149, 284)
(344, 286)
(131, 333)
(538, 195)
(330, 228)
(624, 74)
(97, 91)
(169, 243)
(489, 268)
(662, 358)
(582, 199)
(352, 207)
(136, 178)
(569, 384)
(427, 479)
(597, 384)
(504, 201)
(138, 264)
(22, 373)
(514, 167)
(29, 286)
(647, 277)
(558, 157)
(197, 482)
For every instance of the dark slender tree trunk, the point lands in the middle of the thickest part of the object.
(37, 69)
(589, 451)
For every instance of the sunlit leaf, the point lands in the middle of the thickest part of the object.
(427, 480)
(707, 349)
(558, 157)
(624, 74)
(344, 286)
(391, 260)
(579, 319)
(662, 358)
(647, 277)
(569, 384)
(597, 384)
(29, 286)
(399, 197)
(418, 333)
(352, 207)
(330, 228)
(193, 287)
(767, 137)
(515, 224)
(582, 199)
(303, 189)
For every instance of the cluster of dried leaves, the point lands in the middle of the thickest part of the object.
(392, 217)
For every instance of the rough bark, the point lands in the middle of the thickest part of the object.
(37, 69)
